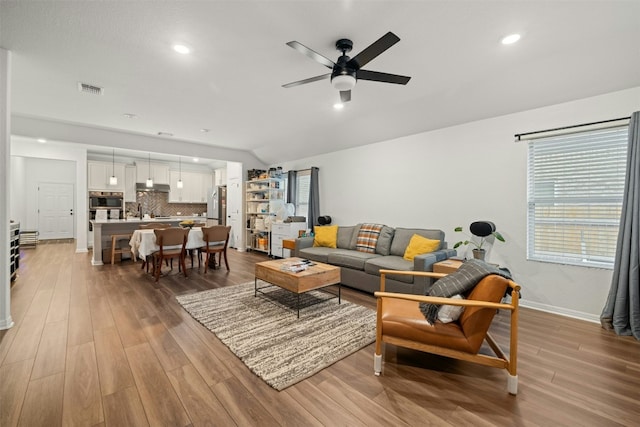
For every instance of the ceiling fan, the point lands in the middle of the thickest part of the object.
(347, 71)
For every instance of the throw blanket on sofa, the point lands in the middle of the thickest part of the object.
(368, 237)
(460, 281)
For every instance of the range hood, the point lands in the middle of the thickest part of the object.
(157, 188)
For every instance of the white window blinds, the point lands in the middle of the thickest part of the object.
(303, 185)
(575, 191)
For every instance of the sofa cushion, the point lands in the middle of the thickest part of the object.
(354, 237)
(350, 259)
(420, 245)
(316, 253)
(390, 262)
(368, 237)
(383, 247)
(325, 236)
(344, 237)
(402, 236)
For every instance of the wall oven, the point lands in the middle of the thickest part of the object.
(105, 200)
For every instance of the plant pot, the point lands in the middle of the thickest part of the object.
(479, 254)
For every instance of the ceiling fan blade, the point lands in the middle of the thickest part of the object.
(345, 95)
(377, 76)
(309, 80)
(311, 54)
(374, 49)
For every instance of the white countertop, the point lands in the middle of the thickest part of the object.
(142, 220)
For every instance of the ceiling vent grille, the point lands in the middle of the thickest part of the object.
(87, 88)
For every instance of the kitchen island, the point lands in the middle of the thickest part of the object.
(104, 229)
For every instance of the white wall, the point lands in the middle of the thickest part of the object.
(51, 158)
(453, 176)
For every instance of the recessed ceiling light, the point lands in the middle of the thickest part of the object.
(203, 130)
(130, 116)
(165, 134)
(180, 48)
(195, 159)
(511, 38)
(42, 140)
(338, 106)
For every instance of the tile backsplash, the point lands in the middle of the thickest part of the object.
(158, 205)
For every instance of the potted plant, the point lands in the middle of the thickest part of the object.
(481, 229)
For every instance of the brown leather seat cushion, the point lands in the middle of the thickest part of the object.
(403, 319)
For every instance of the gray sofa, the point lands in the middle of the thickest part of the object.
(360, 270)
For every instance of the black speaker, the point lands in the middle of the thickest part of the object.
(324, 220)
(482, 228)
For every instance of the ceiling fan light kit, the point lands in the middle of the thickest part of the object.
(346, 71)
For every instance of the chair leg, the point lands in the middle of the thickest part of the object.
(377, 364)
(184, 267)
(512, 384)
(157, 266)
(206, 263)
(226, 262)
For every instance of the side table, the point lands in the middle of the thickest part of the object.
(288, 244)
(447, 266)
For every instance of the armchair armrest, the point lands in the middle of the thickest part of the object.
(302, 243)
(444, 301)
(424, 262)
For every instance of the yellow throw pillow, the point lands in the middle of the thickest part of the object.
(326, 236)
(420, 245)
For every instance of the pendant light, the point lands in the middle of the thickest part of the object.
(114, 179)
(149, 180)
(180, 184)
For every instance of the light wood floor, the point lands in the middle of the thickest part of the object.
(107, 346)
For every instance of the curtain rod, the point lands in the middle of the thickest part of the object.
(518, 135)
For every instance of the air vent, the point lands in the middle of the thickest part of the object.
(94, 90)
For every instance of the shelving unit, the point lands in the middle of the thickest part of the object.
(14, 252)
(263, 198)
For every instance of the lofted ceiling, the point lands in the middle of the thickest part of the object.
(231, 82)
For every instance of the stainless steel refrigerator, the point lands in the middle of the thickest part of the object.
(217, 205)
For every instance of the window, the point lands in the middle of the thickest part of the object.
(303, 185)
(575, 191)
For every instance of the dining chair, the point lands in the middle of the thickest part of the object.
(150, 226)
(216, 239)
(172, 244)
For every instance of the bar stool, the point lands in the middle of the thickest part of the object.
(114, 250)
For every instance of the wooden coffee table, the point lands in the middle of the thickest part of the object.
(316, 276)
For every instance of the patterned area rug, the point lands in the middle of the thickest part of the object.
(266, 335)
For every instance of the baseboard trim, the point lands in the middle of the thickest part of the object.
(580, 315)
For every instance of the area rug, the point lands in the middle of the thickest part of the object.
(266, 335)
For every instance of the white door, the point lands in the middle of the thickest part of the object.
(55, 211)
(234, 213)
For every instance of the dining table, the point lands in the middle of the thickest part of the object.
(143, 242)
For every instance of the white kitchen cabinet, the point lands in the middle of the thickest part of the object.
(194, 189)
(130, 183)
(283, 231)
(98, 174)
(159, 172)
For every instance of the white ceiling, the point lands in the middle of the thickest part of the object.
(231, 82)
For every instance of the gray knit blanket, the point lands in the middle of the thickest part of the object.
(460, 281)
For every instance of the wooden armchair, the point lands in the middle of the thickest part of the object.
(151, 226)
(216, 239)
(172, 242)
(400, 322)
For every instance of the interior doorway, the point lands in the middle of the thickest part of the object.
(55, 211)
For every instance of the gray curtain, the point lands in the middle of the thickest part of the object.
(291, 186)
(314, 199)
(621, 313)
